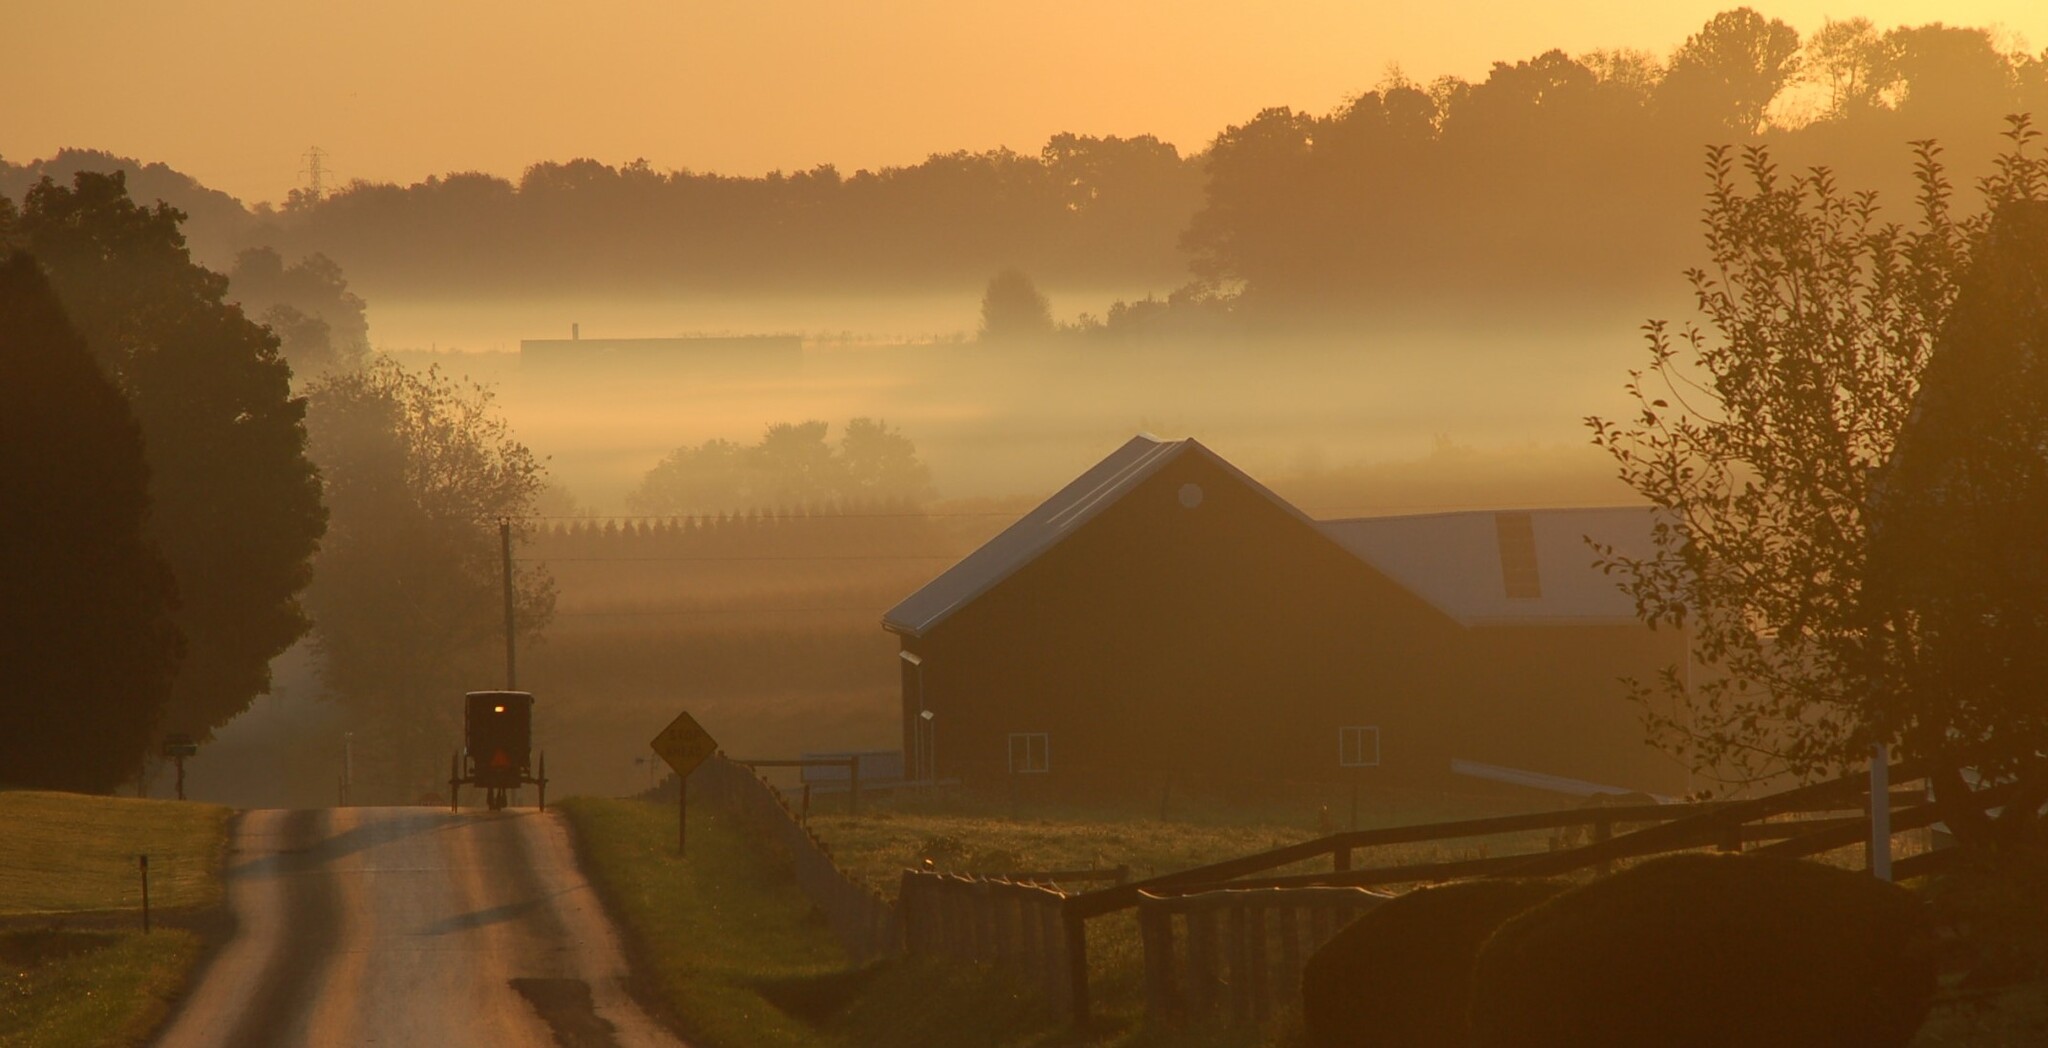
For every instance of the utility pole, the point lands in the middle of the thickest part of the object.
(511, 655)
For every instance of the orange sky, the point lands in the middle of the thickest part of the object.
(234, 91)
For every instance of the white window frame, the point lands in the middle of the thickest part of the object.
(1352, 746)
(1044, 762)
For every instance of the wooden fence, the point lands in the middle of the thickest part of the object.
(1009, 924)
(864, 922)
(1240, 950)
(1222, 942)
(1800, 822)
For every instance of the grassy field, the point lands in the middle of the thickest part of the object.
(966, 834)
(63, 853)
(80, 971)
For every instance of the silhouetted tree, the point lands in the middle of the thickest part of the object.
(236, 503)
(793, 465)
(407, 597)
(90, 649)
(319, 323)
(1851, 59)
(1013, 309)
(1948, 75)
(1728, 73)
(1766, 438)
(881, 464)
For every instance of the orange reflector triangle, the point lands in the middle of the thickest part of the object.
(501, 760)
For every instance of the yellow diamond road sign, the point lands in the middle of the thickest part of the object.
(684, 744)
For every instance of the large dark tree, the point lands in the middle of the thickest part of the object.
(236, 502)
(1958, 561)
(89, 649)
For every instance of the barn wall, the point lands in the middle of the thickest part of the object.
(1552, 699)
(1218, 644)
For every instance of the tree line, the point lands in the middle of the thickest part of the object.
(1552, 174)
(1566, 177)
(1090, 208)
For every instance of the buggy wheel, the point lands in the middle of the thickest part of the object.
(542, 781)
(454, 782)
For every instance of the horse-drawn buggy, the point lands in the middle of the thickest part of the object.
(497, 751)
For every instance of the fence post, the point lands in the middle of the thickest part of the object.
(1239, 950)
(1880, 812)
(1155, 928)
(1051, 925)
(1076, 929)
(1289, 918)
(1202, 960)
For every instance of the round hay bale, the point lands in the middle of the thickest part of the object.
(1398, 975)
(1710, 950)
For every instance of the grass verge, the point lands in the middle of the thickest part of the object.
(69, 989)
(736, 957)
(79, 969)
(716, 935)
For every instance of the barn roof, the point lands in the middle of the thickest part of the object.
(1488, 567)
(1508, 566)
(1056, 518)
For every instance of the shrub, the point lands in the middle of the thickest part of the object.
(1400, 975)
(1710, 950)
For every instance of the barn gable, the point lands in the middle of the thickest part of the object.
(1060, 516)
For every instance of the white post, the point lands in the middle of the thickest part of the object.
(1880, 812)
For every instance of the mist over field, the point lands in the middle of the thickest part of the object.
(1020, 420)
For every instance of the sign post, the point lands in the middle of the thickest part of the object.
(177, 748)
(684, 744)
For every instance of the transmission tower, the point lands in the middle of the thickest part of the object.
(315, 173)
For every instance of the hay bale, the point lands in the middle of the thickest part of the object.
(1399, 975)
(1710, 950)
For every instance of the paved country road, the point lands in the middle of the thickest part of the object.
(411, 926)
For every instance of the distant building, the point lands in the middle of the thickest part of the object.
(571, 357)
(1166, 616)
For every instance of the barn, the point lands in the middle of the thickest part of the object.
(1166, 618)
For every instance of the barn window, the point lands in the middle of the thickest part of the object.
(1030, 752)
(1358, 746)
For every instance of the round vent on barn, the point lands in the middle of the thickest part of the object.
(1190, 496)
